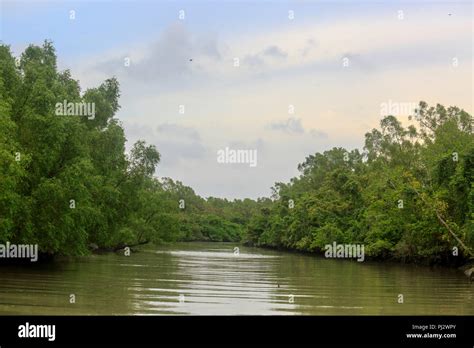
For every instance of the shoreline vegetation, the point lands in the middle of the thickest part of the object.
(68, 185)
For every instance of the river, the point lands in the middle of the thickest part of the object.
(215, 279)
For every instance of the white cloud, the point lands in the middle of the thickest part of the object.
(391, 59)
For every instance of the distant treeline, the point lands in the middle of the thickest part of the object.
(67, 183)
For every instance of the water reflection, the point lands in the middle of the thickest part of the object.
(210, 279)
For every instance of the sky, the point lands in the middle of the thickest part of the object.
(284, 79)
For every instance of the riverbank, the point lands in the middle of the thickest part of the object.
(466, 268)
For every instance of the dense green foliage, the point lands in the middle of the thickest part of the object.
(67, 182)
(408, 195)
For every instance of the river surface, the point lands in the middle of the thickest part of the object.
(213, 279)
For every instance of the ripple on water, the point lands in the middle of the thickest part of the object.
(208, 278)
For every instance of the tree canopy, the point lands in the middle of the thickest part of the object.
(409, 194)
(67, 181)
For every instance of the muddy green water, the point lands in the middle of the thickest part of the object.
(209, 279)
